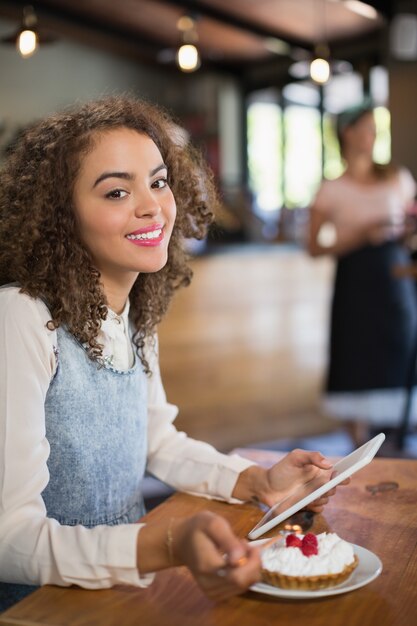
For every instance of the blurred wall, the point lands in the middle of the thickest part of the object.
(61, 73)
(403, 105)
(65, 71)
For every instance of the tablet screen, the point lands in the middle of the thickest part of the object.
(306, 493)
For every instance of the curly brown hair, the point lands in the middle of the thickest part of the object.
(40, 246)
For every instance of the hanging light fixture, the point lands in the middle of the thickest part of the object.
(320, 66)
(188, 56)
(27, 38)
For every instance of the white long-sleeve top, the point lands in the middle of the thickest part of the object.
(35, 549)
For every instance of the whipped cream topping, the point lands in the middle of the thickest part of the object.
(334, 554)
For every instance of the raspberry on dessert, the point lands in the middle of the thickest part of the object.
(308, 549)
(310, 539)
(292, 541)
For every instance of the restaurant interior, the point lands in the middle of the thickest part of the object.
(256, 86)
(244, 350)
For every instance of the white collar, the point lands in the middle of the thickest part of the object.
(112, 317)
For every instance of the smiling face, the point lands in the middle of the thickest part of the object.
(124, 207)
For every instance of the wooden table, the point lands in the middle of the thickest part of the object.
(384, 522)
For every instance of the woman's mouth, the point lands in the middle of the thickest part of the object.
(151, 236)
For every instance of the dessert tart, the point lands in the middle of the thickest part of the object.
(308, 562)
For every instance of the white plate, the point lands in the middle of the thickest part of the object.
(369, 568)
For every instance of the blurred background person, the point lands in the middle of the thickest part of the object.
(360, 219)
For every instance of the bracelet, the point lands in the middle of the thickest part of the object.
(170, 543)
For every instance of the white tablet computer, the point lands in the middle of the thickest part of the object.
(304, 494)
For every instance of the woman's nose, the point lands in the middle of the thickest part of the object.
(147, 205)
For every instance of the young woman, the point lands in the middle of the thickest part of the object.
(95, 203)
(360, 219)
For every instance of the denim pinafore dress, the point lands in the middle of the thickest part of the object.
(96, 425)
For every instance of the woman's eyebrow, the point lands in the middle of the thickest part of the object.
(124, 175)
(159, 167)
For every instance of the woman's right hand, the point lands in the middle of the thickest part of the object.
(222, 564)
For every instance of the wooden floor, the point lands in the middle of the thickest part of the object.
(243, 349)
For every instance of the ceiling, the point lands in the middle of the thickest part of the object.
(233, 35)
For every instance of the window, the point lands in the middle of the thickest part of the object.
(265, 155)
(285, 143)
(302, 154)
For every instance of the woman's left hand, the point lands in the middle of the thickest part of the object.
(286, 477)
(296, 469)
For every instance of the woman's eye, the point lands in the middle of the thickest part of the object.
(116, 194)
(160, 183)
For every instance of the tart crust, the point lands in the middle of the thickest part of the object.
(308, 582)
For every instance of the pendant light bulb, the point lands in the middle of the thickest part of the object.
(188, 58)
(27, 43)
(320, 71)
